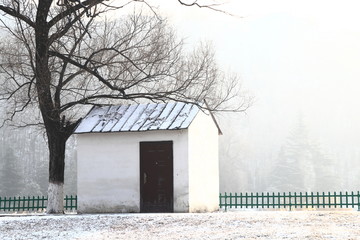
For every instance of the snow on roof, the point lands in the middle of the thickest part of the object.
(138, 117)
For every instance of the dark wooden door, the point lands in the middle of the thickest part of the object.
(156, 177)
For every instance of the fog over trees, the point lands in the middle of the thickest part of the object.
(295, 160)
(57, 57)
(24, 163)
(299, 163)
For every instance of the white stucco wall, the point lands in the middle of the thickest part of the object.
(203, 164)
(109, 168)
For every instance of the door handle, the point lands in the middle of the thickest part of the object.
(145, 178)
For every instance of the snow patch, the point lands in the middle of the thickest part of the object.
(260, 225)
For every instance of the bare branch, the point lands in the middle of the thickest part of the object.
(17, 15)
(71, 8)
(85, 68)
(61, 58)
(212, 7)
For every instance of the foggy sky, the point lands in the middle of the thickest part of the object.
(300, 59)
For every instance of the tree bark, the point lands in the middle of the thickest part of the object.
(56, 143)
(56, 132)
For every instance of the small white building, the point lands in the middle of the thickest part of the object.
(148, 158)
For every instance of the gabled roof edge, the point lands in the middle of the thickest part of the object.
(80, 120)
(93, 123)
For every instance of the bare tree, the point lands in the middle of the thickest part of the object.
(58, 56)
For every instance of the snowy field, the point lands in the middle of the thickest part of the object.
(221, 225)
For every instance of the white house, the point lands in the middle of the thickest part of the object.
(148, 158)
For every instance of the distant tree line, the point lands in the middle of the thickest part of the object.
(24, 163)
(300, 165)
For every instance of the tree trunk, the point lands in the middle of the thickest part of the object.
(56, 143)
(57, 133)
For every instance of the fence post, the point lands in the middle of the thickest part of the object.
(220, 200)
(19, 203)
(241, 200)
(75, 202)
(225, 202)
(346, 199)
(33, 203)
(312, 199)
(251, 200)
(38, 203)
(278, 200)
(236, 199)
(273, 198)
(43, 202)
(317, 199)
(23, 200)
(290, 200)
(246, 200)
(13, 205)
(284, 200)
(340, 199)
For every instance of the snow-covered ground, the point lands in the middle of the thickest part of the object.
(221, 225)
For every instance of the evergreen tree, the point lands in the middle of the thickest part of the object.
(301, 166)
(11, 178)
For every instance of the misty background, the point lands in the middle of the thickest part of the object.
(299, 59)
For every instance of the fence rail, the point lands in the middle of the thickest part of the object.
(290, 200)
(241, 200)
(33, 204)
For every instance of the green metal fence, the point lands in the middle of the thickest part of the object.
(33, 204)
(290, 200)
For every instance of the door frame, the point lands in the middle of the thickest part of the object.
(141, 171)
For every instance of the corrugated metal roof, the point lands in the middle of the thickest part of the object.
(138, 117)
